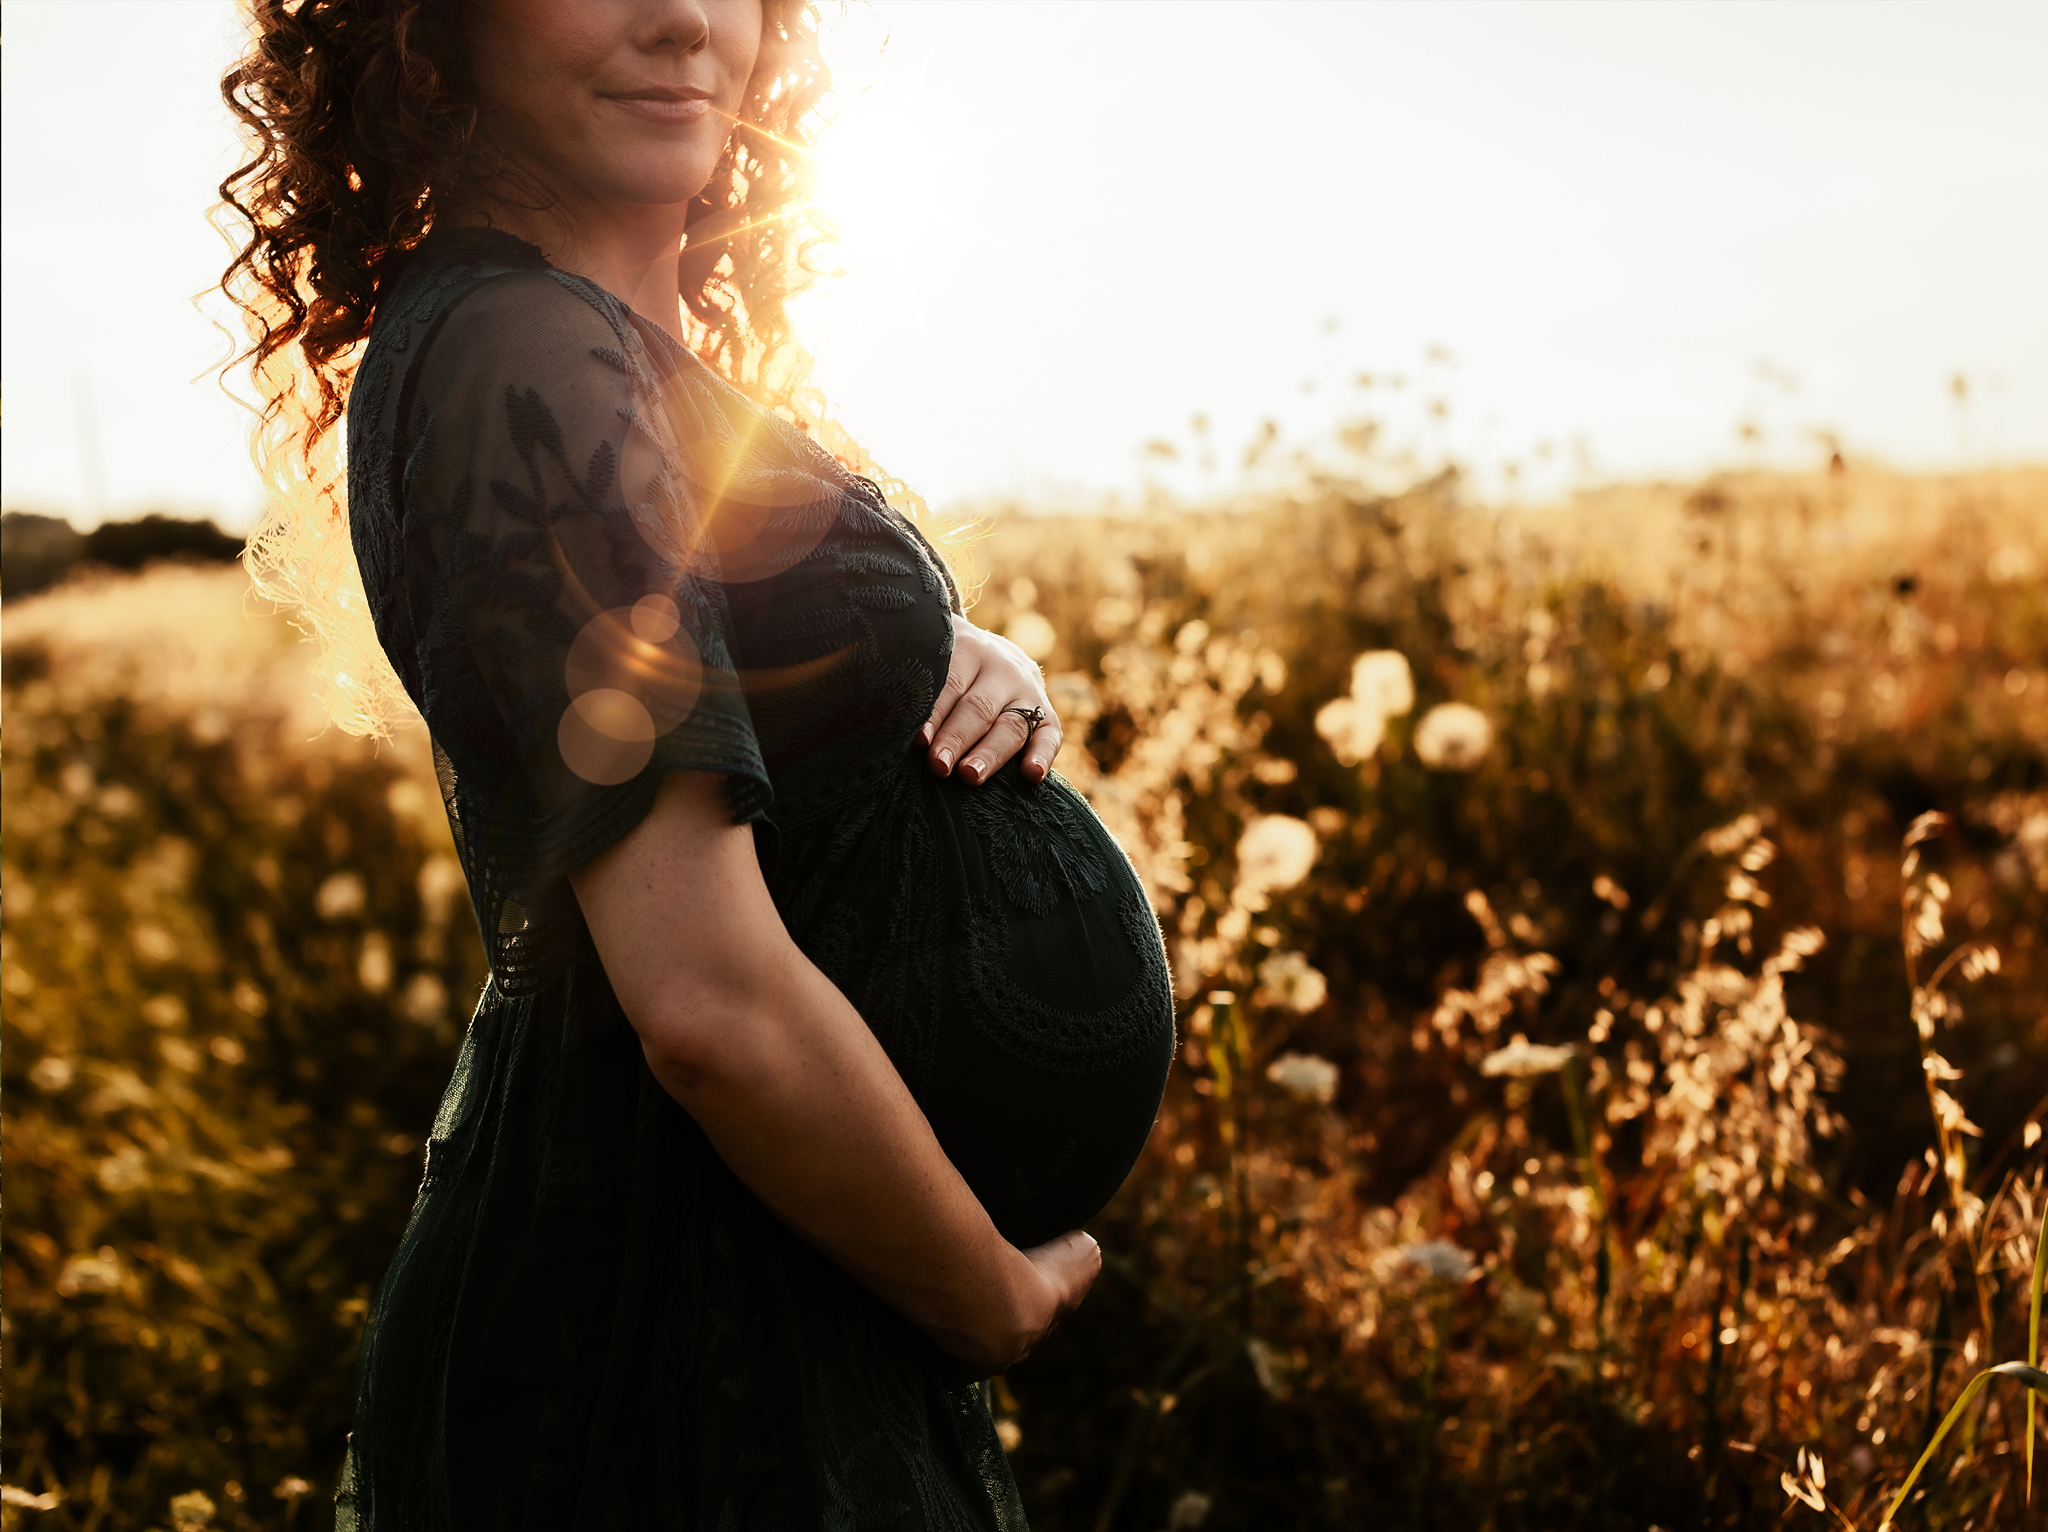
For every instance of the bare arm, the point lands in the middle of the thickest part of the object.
(794, 1091)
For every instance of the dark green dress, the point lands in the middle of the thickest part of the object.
(593, 563)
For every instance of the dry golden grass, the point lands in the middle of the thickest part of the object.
(1562, 1137)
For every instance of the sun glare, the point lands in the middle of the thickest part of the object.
(877, 181)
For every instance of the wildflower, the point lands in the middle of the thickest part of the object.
(1521, 1059)
(1304, 1075)
(1286, 979)
(1453, 736)
(1381, 681)
(1354, 733)
(1438, 1258)
(1275, 852)
(1381, 688)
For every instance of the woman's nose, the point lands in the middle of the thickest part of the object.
(683, 26)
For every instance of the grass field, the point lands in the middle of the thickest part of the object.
(1591, 1112)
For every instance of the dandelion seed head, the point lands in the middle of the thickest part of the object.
(1382, 683)
(1286, 979)
(1353, 733)
(1305, 1076)
(1453, 736)
(1275, 852)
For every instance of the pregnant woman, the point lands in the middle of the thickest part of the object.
(820, 1011)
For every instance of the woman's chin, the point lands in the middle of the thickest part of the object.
(656, 173)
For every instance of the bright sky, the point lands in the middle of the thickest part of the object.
(1604, 235)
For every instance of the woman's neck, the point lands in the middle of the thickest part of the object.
(630, 251)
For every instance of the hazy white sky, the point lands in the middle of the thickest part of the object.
(1072, 226)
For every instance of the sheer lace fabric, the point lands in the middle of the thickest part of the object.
(592, 564)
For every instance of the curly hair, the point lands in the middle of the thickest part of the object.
(362, 125)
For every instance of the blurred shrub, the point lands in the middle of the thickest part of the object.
(1553, 1143)
(36, 552)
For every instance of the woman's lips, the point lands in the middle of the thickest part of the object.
(666, 106)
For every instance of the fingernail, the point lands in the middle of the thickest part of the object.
(975, 767)
(945, 758)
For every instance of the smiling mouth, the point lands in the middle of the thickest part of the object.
(663, 103)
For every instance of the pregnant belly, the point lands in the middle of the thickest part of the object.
(1001, 946)
(1046, 1085)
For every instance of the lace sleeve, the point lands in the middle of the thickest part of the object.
(571, 636)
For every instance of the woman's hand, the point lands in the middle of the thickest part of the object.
(968, 723)
(1051, 1281)
(793, 1090)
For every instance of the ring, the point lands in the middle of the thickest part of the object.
(1032, 716)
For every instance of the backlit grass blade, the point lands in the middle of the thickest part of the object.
(2034, 1336)
(2037, 1383)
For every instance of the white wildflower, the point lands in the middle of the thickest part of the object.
(1354, 733)
(1381, 688)
(1382, 683)
(1275, 852)
(1521, 1059)
(1286, 979)
(1304, 1075)
(1454, 736)
(1438, 1258)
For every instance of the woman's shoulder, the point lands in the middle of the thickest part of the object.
(487, 291)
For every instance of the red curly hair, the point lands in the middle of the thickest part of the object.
(363, 130)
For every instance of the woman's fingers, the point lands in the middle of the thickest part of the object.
(1071, 1263)
(1002, 739)
(960, 734)
(973, 728)
(1040, 749)
(960, 674)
